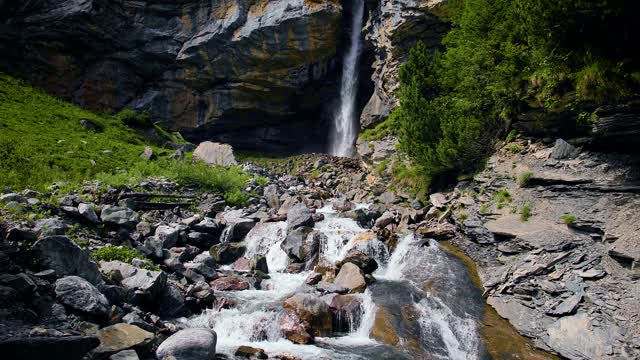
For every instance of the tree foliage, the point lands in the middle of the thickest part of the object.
(505, 57)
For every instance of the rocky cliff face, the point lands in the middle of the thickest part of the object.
(392, 29)
(202, 67)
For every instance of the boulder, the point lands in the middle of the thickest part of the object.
(65, 257)
(119, 216)
(250, 352)
(347, 310)
(299, 215)
(302, 245)
(49, 347)
(168, 235)
(314, 313)
(325, 287)
(189, 344)
(438, 200)
(227, 253)
(385, 219)
(50, 227)
(563, 150)
(209, 226)
(351, 277)
(87, 212)
(125, 355)
(367, 264)
(342, 205)
(270, 193)
(21, 283)
(230, 283)
(171, 303)
(201, 240)
(80, 295)
(119, 337)
(234, 232)
(293, 328)
(259, 263)
(215, 154)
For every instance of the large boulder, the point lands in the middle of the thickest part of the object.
(78, 294)
(302, 245)
(215, 154)
(299, 215)
(347, 310)
(313, 312)
(171, 303)
(86, 211)
(367, 264)
(168, 235)
(227, 253)
(563, 150)
(119, 216)
(50, 348)
(118, 337)
(139, 283)
(65, 257)
(189, 344)
(351, 277)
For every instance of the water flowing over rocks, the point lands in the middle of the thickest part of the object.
(329, 268)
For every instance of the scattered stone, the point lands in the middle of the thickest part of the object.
(567, 306)
(119, 337)
(86, 211)
(78, 294)
(215, 154)
(168, 235)
(50, 227)
(189, 344)
(387, 218)
(563, 150)
(342, 205)
(438, 200)
(312, 311)
(230, 283)
(120, 216)
(250, 352)
(330, 288)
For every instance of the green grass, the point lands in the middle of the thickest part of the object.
(121, 253)
(380, 131)
(568, 219)
(524, 178)
(42, 142)
(515, 148)
(502, 197)
(512, 135)
(525, 212)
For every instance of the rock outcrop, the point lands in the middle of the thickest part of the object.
(392, 29)
(234, 70)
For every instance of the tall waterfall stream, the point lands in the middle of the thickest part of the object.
(345, 124)
(428, 295)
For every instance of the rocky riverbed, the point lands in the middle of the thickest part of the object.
(327, 262)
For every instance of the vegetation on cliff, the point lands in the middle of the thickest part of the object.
(45, 140)
(503, 58)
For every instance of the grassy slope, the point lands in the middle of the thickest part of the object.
(42, 141)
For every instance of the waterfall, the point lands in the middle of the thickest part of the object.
(345, 124)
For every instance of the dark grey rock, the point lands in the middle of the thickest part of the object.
(299, 215)
(171, 303)
(65, 257)
(55, 348)
(563, 150)
(120, 216)
(78, 294)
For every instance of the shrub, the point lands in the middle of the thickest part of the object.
(524, 178)
(568, 219)
(525, 212)
(137, 120)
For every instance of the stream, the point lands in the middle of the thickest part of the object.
(423, 301)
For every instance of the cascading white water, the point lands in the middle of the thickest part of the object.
(345, 124)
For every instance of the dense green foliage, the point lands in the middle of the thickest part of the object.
(121, 253)
(506, 57)
(43, 141)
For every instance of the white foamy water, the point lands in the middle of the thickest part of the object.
(345, 127)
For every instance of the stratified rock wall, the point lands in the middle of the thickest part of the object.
(395, 26)
(205, 67)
